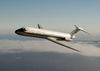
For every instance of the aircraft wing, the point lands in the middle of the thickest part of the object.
(55, 41)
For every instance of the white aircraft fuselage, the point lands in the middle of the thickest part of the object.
(49, 35)
(41, 33)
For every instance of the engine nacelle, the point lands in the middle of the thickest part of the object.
(68, 39)
(72, 36)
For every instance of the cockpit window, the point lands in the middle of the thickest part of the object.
(23, 29)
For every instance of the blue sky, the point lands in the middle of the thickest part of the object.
(58, 15)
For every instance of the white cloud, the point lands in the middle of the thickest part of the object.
(12, 46)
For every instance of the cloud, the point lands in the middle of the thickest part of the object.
(47, 61)
(13, 46)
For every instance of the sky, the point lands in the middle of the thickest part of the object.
(19, 53)
(50, 13)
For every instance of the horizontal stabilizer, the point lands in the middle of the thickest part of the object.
(86, 32)
(82, 30)
(74, 32)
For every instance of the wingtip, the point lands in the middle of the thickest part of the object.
(77, 50)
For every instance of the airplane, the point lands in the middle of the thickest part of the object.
(50, 35)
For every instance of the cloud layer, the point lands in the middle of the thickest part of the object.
(12, 46)
(47, 61)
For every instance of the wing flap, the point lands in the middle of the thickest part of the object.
(55, 41)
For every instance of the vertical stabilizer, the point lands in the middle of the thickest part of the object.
(74, 32)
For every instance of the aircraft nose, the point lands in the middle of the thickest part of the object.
(16, 31)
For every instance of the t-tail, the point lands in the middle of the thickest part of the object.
(74, 32)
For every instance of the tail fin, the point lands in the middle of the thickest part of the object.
(74, 32)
